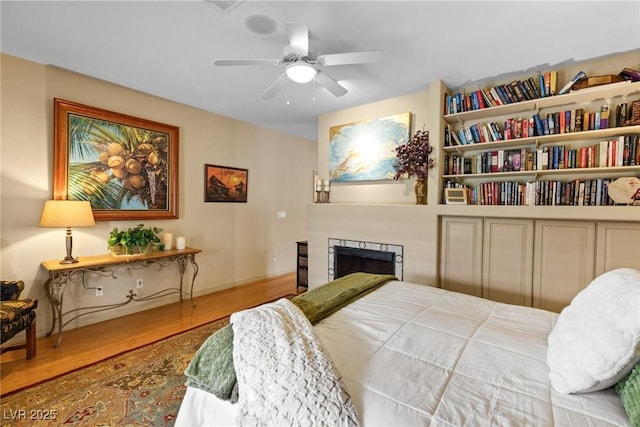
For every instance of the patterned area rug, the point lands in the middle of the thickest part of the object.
(143, 387)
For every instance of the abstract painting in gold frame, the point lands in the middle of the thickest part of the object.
(365, 151)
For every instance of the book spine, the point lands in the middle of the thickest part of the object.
(547, 84)
(511, 93)
(475, 135)
(620, 151)
(486, 96)
(496, 97)
(604, 117)
(621, 114)
(625, 151)
(504, 96)
(553, 83)
(579, 119)
(515, 88)
(534, 87)
(526, 90)
(603, 157)
(574, 80)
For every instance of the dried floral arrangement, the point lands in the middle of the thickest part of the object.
(413, 158)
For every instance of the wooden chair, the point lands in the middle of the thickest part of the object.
(17, 315)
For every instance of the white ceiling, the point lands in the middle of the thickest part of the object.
(167, 48)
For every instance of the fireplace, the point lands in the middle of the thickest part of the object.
(350, 256)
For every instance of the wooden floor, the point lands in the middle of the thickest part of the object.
(90, 344)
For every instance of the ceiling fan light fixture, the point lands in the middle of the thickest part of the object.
(301, 72)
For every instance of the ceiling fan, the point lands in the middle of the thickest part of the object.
(302, 65)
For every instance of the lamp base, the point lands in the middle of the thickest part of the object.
(69, 261)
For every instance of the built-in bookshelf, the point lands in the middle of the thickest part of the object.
(540, 149)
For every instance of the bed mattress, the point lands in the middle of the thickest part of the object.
(414, 355)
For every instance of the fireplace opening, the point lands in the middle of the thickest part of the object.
(352, 260)
(352, 256)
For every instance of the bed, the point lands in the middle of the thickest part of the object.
(415, 355)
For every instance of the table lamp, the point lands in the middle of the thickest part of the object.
(67, 213)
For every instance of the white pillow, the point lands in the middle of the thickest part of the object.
(596, 340)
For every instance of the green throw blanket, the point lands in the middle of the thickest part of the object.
(211, 368)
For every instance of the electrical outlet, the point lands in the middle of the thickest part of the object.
(139, 283)
(99, 291)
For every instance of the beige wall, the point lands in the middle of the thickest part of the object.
(240, 241)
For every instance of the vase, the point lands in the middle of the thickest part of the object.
(420, 189)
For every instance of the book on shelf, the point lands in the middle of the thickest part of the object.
(630, 74)
(511, 93)
(565, 89)
(621, 114)
(454, 140)
(534, 87)
(488, 97)
(494, 93)
(578, 119)
(547, 83)
(604, 116)
(517, 91)
(542, 85)
(553, 82)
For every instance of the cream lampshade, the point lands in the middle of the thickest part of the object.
(67, 213)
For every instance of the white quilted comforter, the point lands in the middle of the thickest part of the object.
(413, 355)
(285, 377)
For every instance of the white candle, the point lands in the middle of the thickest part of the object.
(327, 185)
(318, 185)
(180, 242)
(167, 240)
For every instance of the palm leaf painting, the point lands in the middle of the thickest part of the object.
(117, 166)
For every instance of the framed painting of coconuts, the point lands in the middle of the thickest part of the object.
(127, 167)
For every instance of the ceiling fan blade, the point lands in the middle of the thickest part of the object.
(351, 58)
(298, 37)
(275, 87)
(225, 62)
(330, 84)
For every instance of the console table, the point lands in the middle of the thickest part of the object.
(62, 275)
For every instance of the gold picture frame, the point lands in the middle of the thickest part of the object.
(127, 167)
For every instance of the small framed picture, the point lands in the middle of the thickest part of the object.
(225, 184)
(455, 196)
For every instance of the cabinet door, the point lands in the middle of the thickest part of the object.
(618, 246)
(563, 262)
(461, 255)
(508, 260)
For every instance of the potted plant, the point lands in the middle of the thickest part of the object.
(413, 159)
(136, 240)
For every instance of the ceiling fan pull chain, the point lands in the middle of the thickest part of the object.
(314, 91)
(288, 91)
